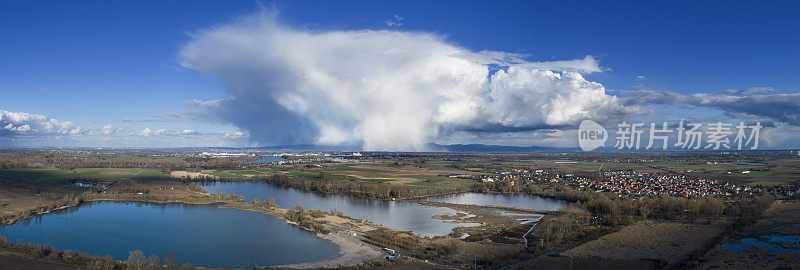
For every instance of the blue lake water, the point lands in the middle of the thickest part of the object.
(203, 235)
(770, 243)
(522, 201)
(399, 215)
(82, 184)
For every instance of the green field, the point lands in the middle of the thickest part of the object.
(244, 172)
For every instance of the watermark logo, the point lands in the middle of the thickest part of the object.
(684, 136)
(591, 135)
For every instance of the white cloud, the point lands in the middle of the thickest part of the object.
(236, 135)
(163, 132)
(20, 123)
(752, 103)
(384, 90)
(149, 132)
(110, 129)
(533, 97)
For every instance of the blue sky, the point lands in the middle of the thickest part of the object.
(96, 63)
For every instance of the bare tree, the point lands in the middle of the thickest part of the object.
(153, 262)
(136, 258)
(171, 261)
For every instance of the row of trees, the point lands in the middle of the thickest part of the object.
(138, 261)
(269, 203)
(307, 219)
(613, 212)
(360, 189)
(572, 226)
(604, 215)
(8, 164)
(16, 159)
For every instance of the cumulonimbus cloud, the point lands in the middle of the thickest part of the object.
(384, 90)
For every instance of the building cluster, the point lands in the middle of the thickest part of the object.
(225, 154)
(645, 184)
(511, 176)
(623, 182)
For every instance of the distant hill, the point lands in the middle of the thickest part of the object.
(490, 148)
(309, 147)
(476, 148)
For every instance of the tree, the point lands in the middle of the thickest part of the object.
(606, 210)
(136, 258)
(154, 262)
(644, 209)
(171, 261)
(271, 202)
(105, 263)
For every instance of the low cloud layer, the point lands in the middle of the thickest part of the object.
(383, 90)
(163, 132)
(28, 124)
(752, 103)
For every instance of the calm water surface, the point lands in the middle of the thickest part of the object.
(399, 215)
(203, 235)
(773, 243)
(522, 201)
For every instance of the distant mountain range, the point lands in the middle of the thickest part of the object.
(461, 148)
(490, 148)
(453, 148)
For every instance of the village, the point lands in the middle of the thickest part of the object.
(624, 182)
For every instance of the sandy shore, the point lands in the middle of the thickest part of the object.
(352, 252)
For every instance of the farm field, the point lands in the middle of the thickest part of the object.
(23, 188)
(669, 242)
(413, 175)
(59, 176)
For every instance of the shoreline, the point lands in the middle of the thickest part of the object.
(353, 251)
(348, 234)
(456, 206)
(360, 196)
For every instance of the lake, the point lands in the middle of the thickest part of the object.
(203, 235)
(522, 201)
(399, 215)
